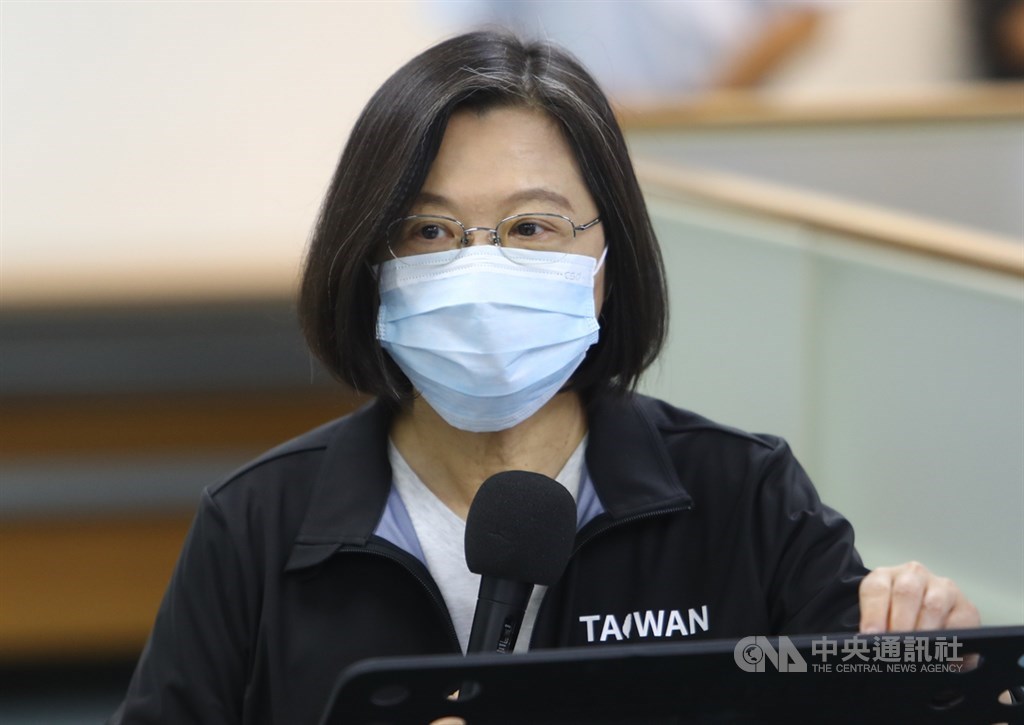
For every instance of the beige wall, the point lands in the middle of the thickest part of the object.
(163, 137)
(882, 46)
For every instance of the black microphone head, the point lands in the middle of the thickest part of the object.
(521, 526)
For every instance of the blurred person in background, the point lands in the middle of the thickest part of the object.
(998, 28)
(641, 49)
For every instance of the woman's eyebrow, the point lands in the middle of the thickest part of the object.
(426, 197)
(540, 194)
(525, 195)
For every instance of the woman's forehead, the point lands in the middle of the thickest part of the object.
(505, 156)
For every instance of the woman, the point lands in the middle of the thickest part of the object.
(484, 265)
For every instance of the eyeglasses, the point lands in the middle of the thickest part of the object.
(411, 237)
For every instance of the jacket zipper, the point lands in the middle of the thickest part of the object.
(428, 586)
(600, 530)
(438, 601)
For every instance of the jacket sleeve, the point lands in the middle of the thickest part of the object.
(812, 569)
(194, 666)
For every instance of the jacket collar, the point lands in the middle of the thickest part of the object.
(626, 458)
(351, 488)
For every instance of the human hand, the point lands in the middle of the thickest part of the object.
(451, 719)
(909, 597)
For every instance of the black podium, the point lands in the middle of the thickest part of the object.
(950, 676)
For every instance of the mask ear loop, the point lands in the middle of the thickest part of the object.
(608, 284)
(600, 260)
(373, 269)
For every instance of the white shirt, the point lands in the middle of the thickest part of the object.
(441, 534)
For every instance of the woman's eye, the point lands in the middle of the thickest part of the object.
(430, 231)
(527, 229)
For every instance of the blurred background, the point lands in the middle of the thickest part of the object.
(838, 188)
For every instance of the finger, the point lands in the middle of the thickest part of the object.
(908, 587)
(940, 596)
(875, 595)
(964, 615)
(970, 661)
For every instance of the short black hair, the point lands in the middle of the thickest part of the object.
(386, 161)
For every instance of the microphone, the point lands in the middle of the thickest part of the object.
(519, 532)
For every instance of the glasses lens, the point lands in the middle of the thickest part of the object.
(411, 238)
(524, 234)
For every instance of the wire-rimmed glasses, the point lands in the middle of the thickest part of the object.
(412, 237)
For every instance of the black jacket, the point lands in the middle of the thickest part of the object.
(708, 532)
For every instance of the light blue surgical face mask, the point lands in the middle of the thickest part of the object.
(485, 340)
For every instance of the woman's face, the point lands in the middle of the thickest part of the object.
(508, 161)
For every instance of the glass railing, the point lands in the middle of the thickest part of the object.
(953, 154)
(893, 363)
